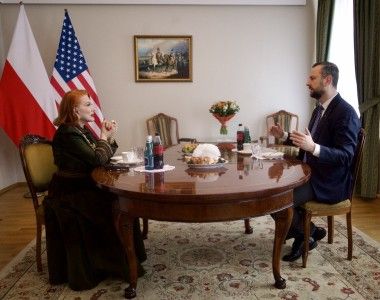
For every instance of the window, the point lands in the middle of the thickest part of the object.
(342, 51)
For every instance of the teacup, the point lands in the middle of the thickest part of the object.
(128, 156)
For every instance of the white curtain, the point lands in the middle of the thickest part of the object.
(342, 50)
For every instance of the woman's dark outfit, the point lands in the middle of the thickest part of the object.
(82, 244)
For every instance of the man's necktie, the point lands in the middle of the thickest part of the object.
(318, 115)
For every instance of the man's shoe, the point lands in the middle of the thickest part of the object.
(318, 233)
(297, 250)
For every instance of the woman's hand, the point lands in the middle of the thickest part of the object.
(108, 130)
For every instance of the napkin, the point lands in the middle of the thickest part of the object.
(164, 169)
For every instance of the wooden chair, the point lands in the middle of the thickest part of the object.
(289, 122)
(38, 164)
(167, 128)
(313, 208)
(286, 120)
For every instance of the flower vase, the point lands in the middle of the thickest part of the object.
(223, 120)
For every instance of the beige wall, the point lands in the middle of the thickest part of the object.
(257, 55)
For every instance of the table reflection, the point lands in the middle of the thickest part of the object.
(206, 175)
(155, 183)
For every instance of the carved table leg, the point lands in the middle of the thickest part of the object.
(283, 221)
(125, 229)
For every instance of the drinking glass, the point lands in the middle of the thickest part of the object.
(256, 149)
(139, 153)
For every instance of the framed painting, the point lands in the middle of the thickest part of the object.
(164, 58)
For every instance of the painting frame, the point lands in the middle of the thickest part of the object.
(163, 58)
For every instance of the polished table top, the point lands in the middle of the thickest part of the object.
(241, 177)
(240, 189)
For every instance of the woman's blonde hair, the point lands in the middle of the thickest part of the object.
(69, 101)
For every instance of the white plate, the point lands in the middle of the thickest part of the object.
(270, 155)
(206, 167)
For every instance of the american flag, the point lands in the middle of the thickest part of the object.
(71, 72)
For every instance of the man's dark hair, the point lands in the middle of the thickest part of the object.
(329, 68)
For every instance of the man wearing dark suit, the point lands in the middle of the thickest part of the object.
(327, 146)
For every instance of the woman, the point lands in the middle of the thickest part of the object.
(82, 245)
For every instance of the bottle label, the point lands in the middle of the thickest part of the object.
(149, 164)
(158, 149)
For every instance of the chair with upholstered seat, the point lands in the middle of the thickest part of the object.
(313, 208)
(167, 127)
(38, 164)
(288, 121)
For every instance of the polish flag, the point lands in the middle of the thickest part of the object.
(27, 103)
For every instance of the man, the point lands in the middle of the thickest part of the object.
(327, 146)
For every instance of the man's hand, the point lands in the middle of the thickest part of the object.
(303, 140)
(276, 131)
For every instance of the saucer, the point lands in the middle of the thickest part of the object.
(244, 152)
(116, 158)
(122, 162)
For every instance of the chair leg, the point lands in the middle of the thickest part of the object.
(248, 228)
(349, 235)
(145, 229)
(38, 246)
(330, 223)
(306, 230)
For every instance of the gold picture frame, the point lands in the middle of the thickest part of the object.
(163, 58)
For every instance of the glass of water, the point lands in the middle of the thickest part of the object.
(256, 149)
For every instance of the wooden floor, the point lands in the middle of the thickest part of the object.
(17, 221)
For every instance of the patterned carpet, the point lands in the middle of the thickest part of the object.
(219, 261)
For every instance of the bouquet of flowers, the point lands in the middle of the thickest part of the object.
(224, 111)
(224, 108)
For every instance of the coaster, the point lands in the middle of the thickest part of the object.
(164, 169)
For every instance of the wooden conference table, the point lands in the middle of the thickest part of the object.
(241, 189)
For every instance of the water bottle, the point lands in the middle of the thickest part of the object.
(158, 152)
(240, 138)
(148, 153)
(247, 136)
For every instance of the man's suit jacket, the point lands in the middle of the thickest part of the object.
(337, 134)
